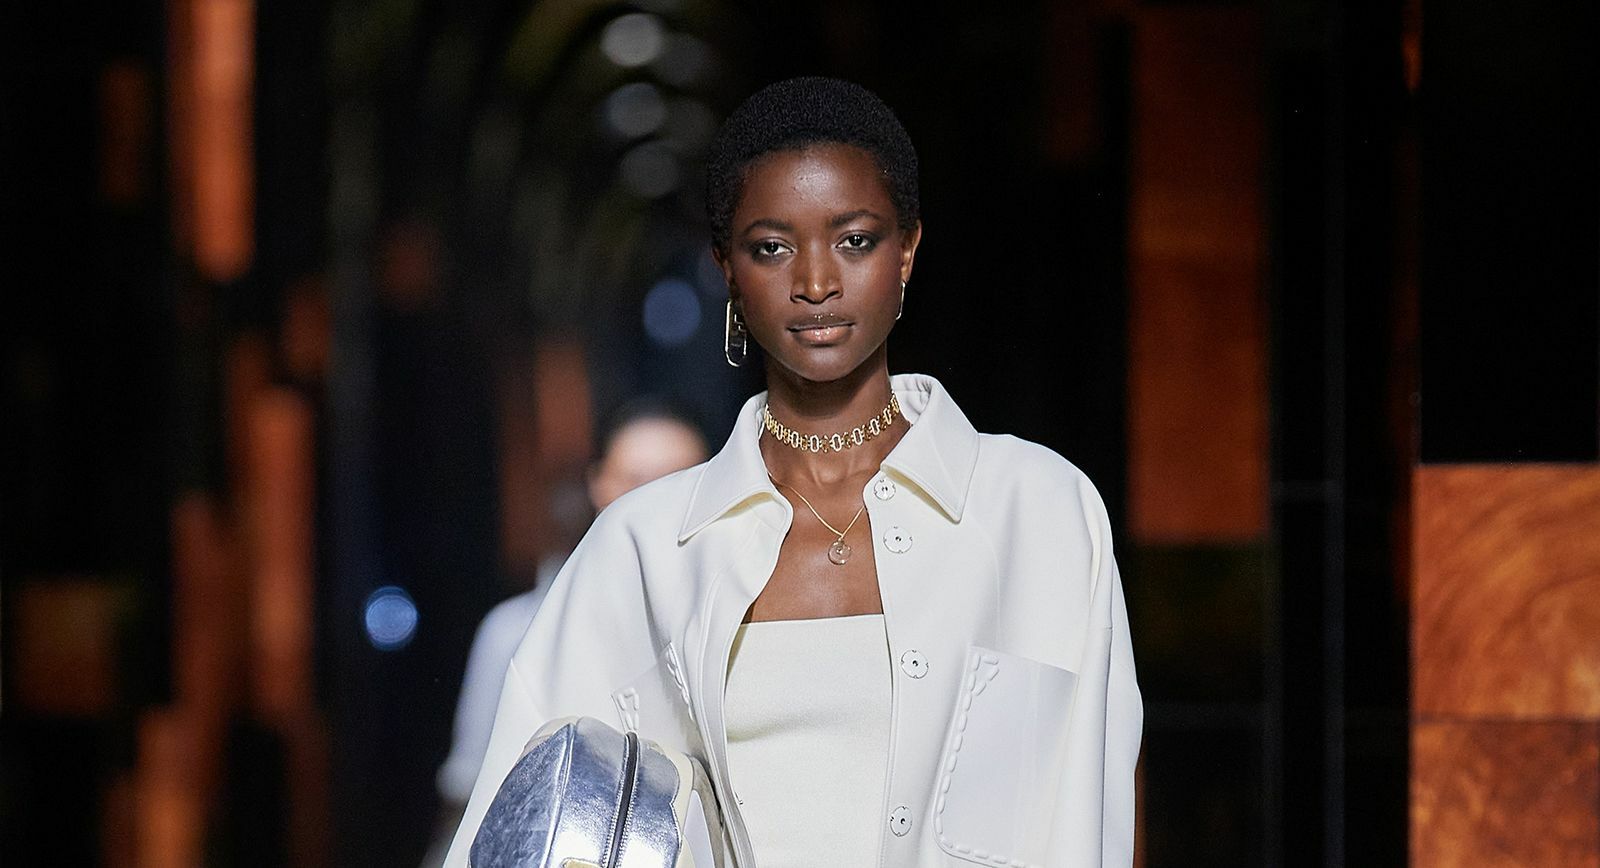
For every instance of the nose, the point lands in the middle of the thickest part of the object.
(816, 279)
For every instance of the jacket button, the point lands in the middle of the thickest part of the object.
(897, 539)
(900, 821)
(914, 664)
(883, 489)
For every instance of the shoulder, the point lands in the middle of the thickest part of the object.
(653, 505)
(1009, 460)
(500, 632)
(1014, 468)
(513, 614)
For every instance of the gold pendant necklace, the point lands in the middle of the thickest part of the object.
(839, 552)
(832, 442)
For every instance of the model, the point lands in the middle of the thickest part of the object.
(890, 639)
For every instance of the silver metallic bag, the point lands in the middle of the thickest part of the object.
(586, 796)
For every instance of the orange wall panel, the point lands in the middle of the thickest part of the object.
(1494, 793)
(1505, 737)
(171, 809)
(1506, 603)
(221, 134)
(65, 645)
(211, 74)
(281, 499)
(545, 425)
(1197, 390)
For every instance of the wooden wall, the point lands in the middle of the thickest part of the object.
(1505, 608)
(1197, 382)
(1506, 662)
(1197, 427)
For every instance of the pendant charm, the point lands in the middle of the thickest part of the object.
(838, 553)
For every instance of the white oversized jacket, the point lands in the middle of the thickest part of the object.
(1016, 718)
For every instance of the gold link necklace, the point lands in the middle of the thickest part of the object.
(839, 552)
(832, 442)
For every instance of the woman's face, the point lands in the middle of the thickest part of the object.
(816, 259)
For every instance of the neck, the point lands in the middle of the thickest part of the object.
(828, 408)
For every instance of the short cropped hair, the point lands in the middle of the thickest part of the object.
(794, 114)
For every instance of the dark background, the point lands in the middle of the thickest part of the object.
(1429, 291)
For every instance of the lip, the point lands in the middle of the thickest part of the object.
(820, 322)
(820, 330)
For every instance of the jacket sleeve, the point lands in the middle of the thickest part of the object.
(588, 635)
(1094, 822)
(1124, 731)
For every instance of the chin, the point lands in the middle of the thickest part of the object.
(823, 366)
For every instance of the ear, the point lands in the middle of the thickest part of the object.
(908, 250)
(721, 258)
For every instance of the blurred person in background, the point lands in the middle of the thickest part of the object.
(890, 639)
(645, 439)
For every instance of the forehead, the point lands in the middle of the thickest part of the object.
(826, 178)
(652, 439)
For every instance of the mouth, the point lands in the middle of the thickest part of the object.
(821, 329)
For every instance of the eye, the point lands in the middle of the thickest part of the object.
(858, 241)
(769, 248)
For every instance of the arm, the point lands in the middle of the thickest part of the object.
(1094, 823)
(1124, 731)
(588, 635)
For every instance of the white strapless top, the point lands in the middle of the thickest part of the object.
(807, 715)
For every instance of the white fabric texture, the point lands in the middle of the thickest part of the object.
(808, 738)
(982, 543)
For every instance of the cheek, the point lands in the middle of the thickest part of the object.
(762, 288)
(882, 280)
(763, 307)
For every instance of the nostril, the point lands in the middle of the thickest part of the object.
(814, 291)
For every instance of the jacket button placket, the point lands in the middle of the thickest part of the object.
(897, 540)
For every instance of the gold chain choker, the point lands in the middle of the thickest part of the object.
(832, 442)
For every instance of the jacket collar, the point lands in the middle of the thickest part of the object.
(937, 456)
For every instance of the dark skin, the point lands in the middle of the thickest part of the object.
(816, 261)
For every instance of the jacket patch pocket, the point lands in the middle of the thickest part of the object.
(655, 704)
(1001, 769)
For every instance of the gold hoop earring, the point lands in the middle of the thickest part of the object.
(902, 302)
(735, 337)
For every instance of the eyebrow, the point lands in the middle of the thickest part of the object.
(768, 223)
(848, 216)
(833, 222)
